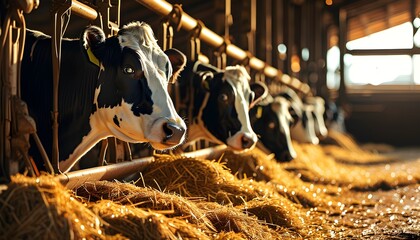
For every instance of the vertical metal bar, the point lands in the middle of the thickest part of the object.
(290, 35)
(104, 146)
(59, 9)
(228, 17)
(342, 100)
(5, 147)
(253, 27)
(268, 32)
(44, 155)
(112, 150)
(127, 151)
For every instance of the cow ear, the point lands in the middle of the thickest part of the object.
(92, 39)
(206, 79)
(178, 61)
(260, 90)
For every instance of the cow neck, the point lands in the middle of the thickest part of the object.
(195, 125)
(198, 128)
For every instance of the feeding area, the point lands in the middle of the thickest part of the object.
(223, 119)
(248, 196)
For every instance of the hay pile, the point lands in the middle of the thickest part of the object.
(341, 140)
(248, 221)
(343, 148)
(232, 219)
(261, 167)
(34, 208)
(170, 205)
(43, 208)
(314, 165)
(137, 223)
(211, 180)
(361, 157)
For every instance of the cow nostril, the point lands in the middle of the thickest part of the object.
(247, 142)
(167, 130)
(173, 133)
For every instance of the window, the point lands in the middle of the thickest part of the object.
(398, 37)
(372, 64)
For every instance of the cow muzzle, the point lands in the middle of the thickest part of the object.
(166, 133)
(174, 133)
(247, 142)
(286, 155)
(242, 141)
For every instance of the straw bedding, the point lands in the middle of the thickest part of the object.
(246, 196)
(211, 180)
(137, 223)
(42, 209)
(343, 148)
(315, 166)
(261, 167)
(128, 194)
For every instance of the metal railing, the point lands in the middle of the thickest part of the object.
(188, 23)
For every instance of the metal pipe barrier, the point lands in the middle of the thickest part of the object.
(75, 179)
(211, 38)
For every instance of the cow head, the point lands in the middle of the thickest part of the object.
(318, 114)
(335, 117)
(131, 100)
(225, 114)
(304, 130)
(272, 123)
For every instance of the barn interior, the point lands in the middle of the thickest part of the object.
(315, 42)
(360, 56)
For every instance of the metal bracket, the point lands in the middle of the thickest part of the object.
(167, 34)
(167, 23)
(109, 16)
(195, 44)
(220, 53)
(175, 16)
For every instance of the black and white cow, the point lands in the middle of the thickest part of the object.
(271, 120)
(335, 117)
(114, 86)
(304, 129)
(216, 104)
(318, 104)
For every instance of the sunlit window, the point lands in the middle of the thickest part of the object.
(376, 70)
(384, 69)
(398, 37)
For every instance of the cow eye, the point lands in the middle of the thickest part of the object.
(128, 70)
(223, 98)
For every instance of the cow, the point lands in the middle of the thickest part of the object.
(303, 130)
(318, 104)
(335, 117)
(115, 86)
(216, 104)
(271, 120)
